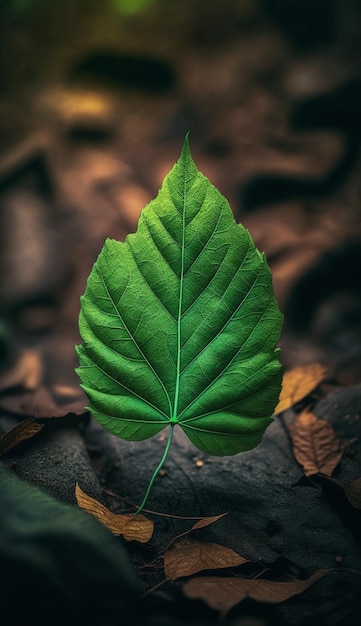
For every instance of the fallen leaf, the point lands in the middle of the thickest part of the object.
(222, 594)
(26, 373)
(131, 527)
(352, 490)
(201, 523)
(315, 445)
(298, 383)
(206, 521)
(190, 557)
(22, 431)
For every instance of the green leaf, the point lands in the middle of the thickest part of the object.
(179, 323)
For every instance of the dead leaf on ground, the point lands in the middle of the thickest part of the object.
(351, 490)
(22, 431)
(201, 523)
(315, 445)
(190, 557)
(298, 383)
(26, 373)
(206, 521)
(131, 527)
(222, 594)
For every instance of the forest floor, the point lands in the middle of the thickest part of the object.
(95, 106)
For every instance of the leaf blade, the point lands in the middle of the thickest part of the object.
(180, 324)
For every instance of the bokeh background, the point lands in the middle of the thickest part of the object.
(96, 97)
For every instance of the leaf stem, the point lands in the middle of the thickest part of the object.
(155, 474)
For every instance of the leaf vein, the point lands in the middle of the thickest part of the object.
(224, 369)
(131, 391)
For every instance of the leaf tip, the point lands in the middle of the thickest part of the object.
(186, 151)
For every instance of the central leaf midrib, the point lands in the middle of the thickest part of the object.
(180, 301)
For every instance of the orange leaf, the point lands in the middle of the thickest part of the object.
(206, 521)
(131, 527)
(201, 523)
(314, 444)
(190, 557)
(22, 431)
(224, 593)
(298, 383)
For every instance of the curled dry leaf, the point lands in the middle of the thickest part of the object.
(190, 557)
(206, 521)
(315, 445)
(352, 490)
(298, 383)
(222, 594)
(22, 431)
(131, 527)
(201, 523)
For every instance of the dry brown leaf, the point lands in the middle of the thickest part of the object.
(206, 521)
(201, 523)
(131, 527)
(26, 373)
(298, 383)
(22, 431)
(352, 490)
(190, 557)
(315, 445)
(222, 594)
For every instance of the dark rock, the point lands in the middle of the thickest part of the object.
(56, 459)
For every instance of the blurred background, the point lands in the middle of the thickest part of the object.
(96, 97)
